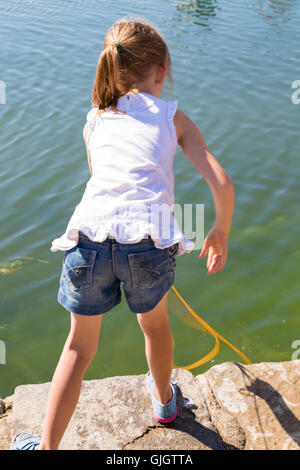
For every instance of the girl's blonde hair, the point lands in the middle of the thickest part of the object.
(123, 65)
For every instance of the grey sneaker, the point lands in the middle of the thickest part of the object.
(25, 441)
(162, 413)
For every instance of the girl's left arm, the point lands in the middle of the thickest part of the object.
(85, 130)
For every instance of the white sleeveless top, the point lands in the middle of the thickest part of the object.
(131, 190)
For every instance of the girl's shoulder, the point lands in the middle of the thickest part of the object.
(91, 114)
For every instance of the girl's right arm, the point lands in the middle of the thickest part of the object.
(194, 147)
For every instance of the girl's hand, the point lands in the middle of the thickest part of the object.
(216, 245)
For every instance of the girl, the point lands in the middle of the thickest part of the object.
(114, 236)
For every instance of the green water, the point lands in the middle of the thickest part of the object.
(233, 63)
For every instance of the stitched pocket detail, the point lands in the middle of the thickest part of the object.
(173, 250)
(78, 265)
(148, 268)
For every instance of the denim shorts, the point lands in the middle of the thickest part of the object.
(92, 274)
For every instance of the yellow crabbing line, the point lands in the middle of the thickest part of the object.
(216, 335)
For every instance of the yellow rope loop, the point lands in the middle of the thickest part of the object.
(210, 330)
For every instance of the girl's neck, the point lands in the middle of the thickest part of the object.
(145, 90)
(154, 84)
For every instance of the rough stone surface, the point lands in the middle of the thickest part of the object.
(6, 423)
(116, 411)
(2, 407)
(255, 406)
(230, 407)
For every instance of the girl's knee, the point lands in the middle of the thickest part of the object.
(83, 337)
(82, 355)
(83, 351)
(152, 325)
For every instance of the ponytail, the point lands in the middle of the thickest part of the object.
(131, 48)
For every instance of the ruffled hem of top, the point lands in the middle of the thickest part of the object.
(172, 107)
(70, 239)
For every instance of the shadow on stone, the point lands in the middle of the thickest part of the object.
(259, 388)
(186, 423)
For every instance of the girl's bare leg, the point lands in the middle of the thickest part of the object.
(159, 348)
(79, 351)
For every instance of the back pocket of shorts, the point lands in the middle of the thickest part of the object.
(149, 267)
(78, 265)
